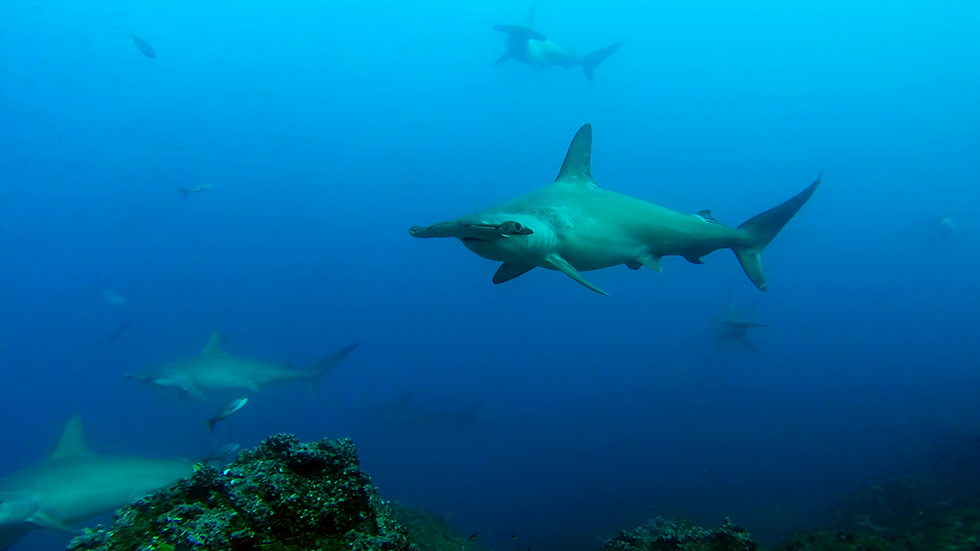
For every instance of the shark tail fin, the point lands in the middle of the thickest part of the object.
(591, 61)
(327, 363)
(760, 230)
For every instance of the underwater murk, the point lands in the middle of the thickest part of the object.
(430, 275)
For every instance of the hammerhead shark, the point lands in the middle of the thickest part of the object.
(74, 484)
(405, 413)
(528, 46)
(215, 369)
(572, 225)
(735, 326)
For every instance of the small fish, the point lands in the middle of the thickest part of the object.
(221, 452)
(143, 46)
(229, 408)
(473, 537)
(199, 188)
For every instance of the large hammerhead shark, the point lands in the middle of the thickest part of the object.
(572, 225)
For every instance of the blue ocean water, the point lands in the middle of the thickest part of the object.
(327, 129)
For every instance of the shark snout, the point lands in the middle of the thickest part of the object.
(144, 377)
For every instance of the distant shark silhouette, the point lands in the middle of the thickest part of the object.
(528, 46)
(75, 484)
(215, 369)
(572, 225)
(735, 326)
(403, 413)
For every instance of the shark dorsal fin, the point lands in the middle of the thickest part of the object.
(72, 441)
(214, 343)
(577, 167)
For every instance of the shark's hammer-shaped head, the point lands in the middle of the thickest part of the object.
(497, 236)
(16, 506)
(166, 376)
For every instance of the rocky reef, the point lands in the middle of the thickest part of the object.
(680, 535)
(902, 513)
(280, 496)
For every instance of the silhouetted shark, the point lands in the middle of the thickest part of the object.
(734, 326)
(405, 414)
(528, 46)
(215, 369)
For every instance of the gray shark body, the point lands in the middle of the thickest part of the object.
(528, 46)
(74, 484)
(214, 369)
(572, 225)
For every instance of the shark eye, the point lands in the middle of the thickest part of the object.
(515, 228)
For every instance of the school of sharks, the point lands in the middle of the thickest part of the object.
(571, 225)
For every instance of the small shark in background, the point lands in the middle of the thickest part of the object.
(404, 413)
(215, 369)
(74, 484)
(199, 188)
(528, 46)
(572, 225)
(938, 230)
(735, 326)
(143, 46)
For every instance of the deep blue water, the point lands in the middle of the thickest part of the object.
(328, 128)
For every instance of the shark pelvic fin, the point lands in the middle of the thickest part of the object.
(214, 343)
(195, 392)
(509, 270)
(652, 262)
(577, 168)
(72, 441)
(562, 265)
(45, 521)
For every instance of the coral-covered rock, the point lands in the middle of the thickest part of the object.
(279, 496)
(680, 535)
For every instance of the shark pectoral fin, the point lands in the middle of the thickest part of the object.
(195, 392)
(749, 344)
(562, 265)
(45, 521)
(254, 387)
(652, 262)
(509, 270)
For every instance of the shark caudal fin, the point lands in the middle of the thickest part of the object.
(760, 230)
(327, 363)
(591, 61)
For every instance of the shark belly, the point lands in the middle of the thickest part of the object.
(600, 229)
(543, 53)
